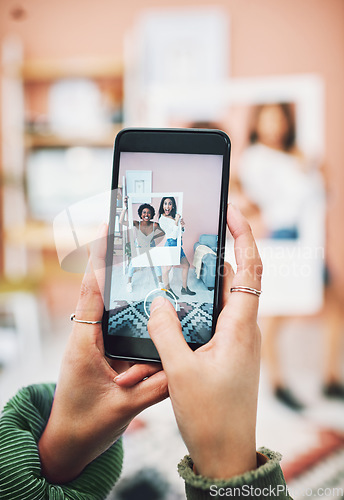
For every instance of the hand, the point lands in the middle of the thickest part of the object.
(182, 223)
(90, 410)
(177, 218)
(214, 389)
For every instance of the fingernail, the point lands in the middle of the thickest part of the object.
(158, 302)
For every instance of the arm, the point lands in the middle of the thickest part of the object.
(159, 233)
(90, 411)
(121, 218)
(180, 221)
(71, 438)
(219, 380)
(265, 481)
(123, 213)
(226, 367)
(21, 424)
(65, 443)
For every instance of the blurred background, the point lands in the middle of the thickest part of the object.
(271, 74)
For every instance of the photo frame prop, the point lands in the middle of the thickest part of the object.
(293, 269)
(159, 255)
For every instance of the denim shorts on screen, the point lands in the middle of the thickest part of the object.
(171, 242)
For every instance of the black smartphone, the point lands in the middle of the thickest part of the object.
(166, 236)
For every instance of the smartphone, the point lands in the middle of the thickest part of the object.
(167, 230)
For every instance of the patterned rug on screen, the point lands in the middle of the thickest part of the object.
(130, 320)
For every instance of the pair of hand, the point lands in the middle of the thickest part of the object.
(213, 390)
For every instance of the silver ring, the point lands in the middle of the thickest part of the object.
(73, 318)
(246, 289)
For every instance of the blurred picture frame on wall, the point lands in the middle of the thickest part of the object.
(173, 46)
(179, 45)
(140, 183)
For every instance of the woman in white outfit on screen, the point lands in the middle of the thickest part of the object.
(146, 233)
(171, 223)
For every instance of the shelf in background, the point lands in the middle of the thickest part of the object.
(90, 67)
(50, 140)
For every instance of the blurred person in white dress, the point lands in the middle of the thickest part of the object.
(273, 186)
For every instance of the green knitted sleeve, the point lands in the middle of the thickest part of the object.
(22, 422)
(267, 481)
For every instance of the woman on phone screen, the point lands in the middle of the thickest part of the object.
(170, 222)
(147, 231)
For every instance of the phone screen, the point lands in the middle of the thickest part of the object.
(165, 241)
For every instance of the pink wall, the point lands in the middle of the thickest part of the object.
(267, 38)
(198, 177)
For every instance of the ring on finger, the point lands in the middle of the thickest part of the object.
(246, 289)
(73, 318)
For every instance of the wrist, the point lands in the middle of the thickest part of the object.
(227, 467)
(68, 445)
(224, 462)
(60, 456)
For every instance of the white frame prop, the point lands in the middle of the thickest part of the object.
(159, 255)
(293, 270)
(206, 102)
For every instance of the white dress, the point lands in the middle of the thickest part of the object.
(143, 240)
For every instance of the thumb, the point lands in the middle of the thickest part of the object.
(165, 331)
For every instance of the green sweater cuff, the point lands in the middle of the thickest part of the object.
(267, 481)
(22, 422)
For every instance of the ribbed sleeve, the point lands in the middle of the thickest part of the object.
(267, 481)
(22, 422)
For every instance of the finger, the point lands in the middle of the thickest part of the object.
(136, 374)
(249, 264)
(150, 391)
(166, 332)
(90, 305)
